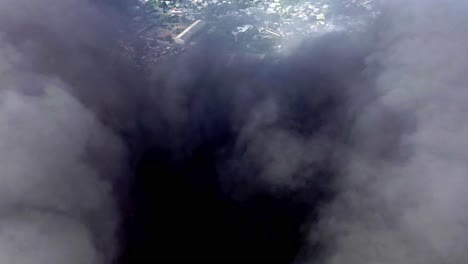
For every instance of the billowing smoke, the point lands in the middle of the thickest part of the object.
(53, 197)
(59, 163)
(404, 200)
(349, 149)
(266, 137)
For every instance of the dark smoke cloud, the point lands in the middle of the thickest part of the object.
(366, 129)
(279, 126)
(274, 125)
(284, 115)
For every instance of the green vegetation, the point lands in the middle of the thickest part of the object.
(156, 4)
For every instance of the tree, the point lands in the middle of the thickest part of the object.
(162, 4)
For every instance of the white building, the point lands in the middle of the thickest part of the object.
(185, 36)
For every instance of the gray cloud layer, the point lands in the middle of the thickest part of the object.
(56, 158)
(411, 208)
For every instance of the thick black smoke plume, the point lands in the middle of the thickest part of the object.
(240, 152)
(347, 149)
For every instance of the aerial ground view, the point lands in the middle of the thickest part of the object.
(233, 131)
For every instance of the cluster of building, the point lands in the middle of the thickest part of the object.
(312, 17)
(284, 20)
(279, 20)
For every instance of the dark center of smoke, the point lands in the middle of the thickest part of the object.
(197, 194)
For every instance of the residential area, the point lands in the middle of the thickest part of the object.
(254, 26)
